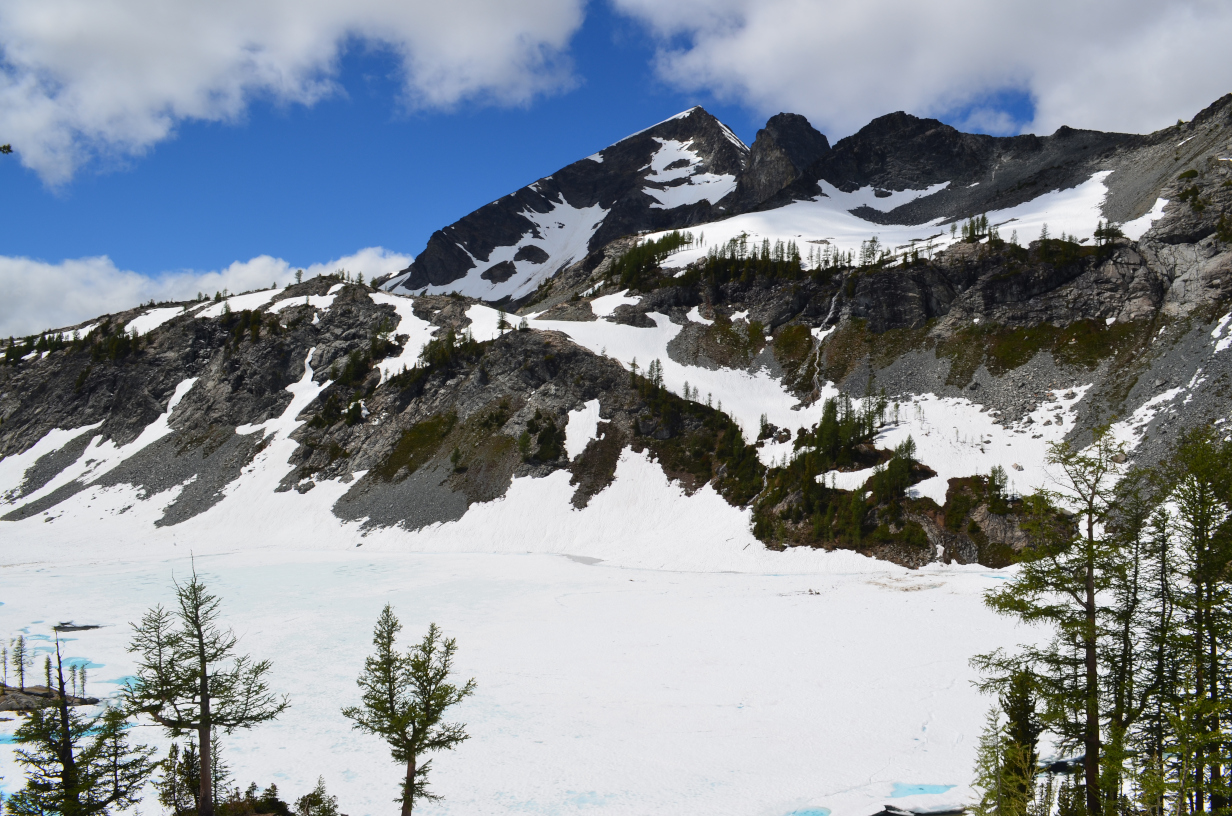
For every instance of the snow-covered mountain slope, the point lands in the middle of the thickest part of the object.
(672, 174)
(405, 412)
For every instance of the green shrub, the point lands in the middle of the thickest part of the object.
(417, 445)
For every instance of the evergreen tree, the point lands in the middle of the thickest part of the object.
(22, 659)
(405, 697)
(318, 802)
(190, 679)
(1199, 514)
(179, 785)
(77, 765)
(1063, 583)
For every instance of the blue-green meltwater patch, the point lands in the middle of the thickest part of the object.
(901, 789)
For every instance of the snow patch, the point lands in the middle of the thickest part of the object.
(1135, 229)
(151, 320)
(695, 314)
(322, 302)
(14, 466)
(683, 185)
(581, 427)
(1217, 333)
(238, 303)
(417, 330)
(606, 306)
(847, 479)
(830, 218)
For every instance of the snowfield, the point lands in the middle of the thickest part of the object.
(831, 221)
(602, 688)
(645, 654)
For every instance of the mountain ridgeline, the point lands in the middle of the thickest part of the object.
(892, 395)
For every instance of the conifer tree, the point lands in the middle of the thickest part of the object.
(405, 697)
(1200, 519)
(22, 660)
(318, 802)
(77, 765)
(1063, 583)
(190, 679)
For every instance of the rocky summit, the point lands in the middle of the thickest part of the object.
(678, 341)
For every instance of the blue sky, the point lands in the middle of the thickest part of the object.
(309, 183)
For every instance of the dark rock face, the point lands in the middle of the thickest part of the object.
(623, 186)
(780, 155)
(499, 273)
(531, 253)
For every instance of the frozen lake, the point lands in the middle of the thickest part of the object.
(601, 688)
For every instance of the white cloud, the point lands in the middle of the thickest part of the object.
(79, 78)
(1134, 65)
(40, 295)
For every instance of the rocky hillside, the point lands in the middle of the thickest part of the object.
(897, 401)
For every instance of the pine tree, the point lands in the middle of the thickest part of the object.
(77, 765)
(189, 678)
(405, 697)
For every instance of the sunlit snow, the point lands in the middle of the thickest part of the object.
(563, 233)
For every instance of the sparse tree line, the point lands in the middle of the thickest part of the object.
(1129, 574)
(192, 682)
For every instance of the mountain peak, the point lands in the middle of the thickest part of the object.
(673, 173)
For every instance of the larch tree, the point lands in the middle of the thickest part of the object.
(1199, 517)
(190, 679)
(77, 765)
(405, 697)
(22, 659)
(1064, 582)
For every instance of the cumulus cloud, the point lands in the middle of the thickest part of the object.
(79, 78)
(1134, 66)
(40, 295)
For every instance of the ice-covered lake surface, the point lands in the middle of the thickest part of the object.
(607, 689)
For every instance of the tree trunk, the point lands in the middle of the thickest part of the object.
(68, 762)
(408, 795)
(1090, 762)
(206, 802)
